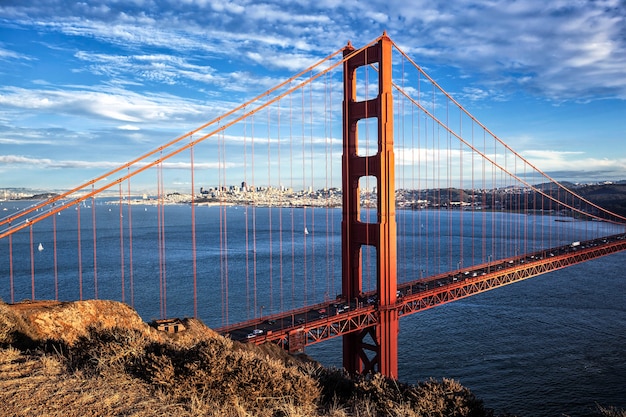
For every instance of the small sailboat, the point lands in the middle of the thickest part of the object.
(40, 247)
(306, 231)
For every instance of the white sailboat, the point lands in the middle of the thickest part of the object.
(306, 231)
(40, 247)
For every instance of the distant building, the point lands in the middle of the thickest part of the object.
(170, 325)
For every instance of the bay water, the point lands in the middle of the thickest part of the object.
(548, 346)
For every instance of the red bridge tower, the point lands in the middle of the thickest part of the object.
(374, 348)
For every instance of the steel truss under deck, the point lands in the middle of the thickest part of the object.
(445, 288)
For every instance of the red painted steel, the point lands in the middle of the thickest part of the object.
(418, 296)
(380, 353)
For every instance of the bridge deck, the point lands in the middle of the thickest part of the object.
(295, 329)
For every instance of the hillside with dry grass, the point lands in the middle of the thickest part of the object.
(97, 358)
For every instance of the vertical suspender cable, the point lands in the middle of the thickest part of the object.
(461, 193)
(437, 178)
(424, 220)
(164, 257)
(473, 202)
(122, 261)
(291, 184)
(254, 265)
(160, 222)
(95, 252)
(269, 210)
(304, 213)
(163, 246)
(417, 236)
(494, 249)
(11, 283)
(402, 227)
(32, 264)
(484, 202)
(220, 193)
(54, 254)
(332, 211)
(193, 233)
(526, 217)
(223, 141)
(449, 188)
(503, 197)
(312, 182)
(327, 292)
(131, 282)
(246, 191)
(80, 255)
(519, 223)
(280, 209)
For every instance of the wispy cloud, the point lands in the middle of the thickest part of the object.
(562, 50)
(115, 105)
(49, 163)
(7, 54)
(577, 165)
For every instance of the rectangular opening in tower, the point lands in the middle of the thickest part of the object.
(366, 82)
(367, 137)
(368, 199)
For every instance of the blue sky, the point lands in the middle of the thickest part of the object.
(86, 86)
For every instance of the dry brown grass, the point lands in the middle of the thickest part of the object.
(375, 395)
(611, 412)
(97, 358)
(100, 356)
(38, 385)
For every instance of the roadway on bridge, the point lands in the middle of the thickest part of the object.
(335, 318)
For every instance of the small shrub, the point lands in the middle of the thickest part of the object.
(610, 412)
(105, 350)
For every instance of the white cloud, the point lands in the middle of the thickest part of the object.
(113, 105)
(574, 162)
(6, 54)
(128, 127)
(48, 163)
(563, 50)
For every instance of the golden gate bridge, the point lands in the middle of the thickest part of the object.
(354, 193)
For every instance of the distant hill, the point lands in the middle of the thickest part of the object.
(608, 196)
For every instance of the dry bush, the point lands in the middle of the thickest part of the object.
(37, 385)
(210, 370)
(218, 372)
(610, 412)
(376, 395)
(103, 351)
(445, 398)
(197, 372)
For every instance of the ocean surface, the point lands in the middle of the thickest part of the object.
(552, 345)
(549, 346)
